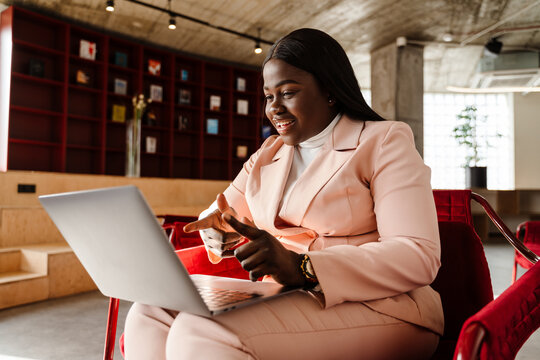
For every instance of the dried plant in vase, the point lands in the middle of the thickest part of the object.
(133, 136)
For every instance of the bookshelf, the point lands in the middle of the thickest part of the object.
(71, 92)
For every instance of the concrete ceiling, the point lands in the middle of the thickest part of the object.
(359, 25)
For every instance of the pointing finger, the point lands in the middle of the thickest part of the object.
(201, 224)
(247, 231)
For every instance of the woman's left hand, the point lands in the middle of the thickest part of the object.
(265, 255)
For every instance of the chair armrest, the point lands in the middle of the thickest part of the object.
(501, 327)
(509, 236)
(469, 343)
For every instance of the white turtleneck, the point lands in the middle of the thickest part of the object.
(304, 153)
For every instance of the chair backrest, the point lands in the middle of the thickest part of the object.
(453, 205)
(531, 232)
(463, 281)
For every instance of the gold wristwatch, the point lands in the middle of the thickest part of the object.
(307, 270)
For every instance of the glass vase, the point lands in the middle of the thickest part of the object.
(133, 147)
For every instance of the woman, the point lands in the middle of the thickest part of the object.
(339, 201)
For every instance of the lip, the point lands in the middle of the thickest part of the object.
(283, 125)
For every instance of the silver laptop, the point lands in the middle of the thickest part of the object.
(119, 241)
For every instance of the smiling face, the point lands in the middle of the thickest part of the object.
(295, 103)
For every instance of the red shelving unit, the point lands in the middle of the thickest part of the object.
(60, 111)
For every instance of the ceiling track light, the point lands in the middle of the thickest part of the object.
(172, 23)
(110, 5)
(175, 15)
(172, 20)
(258, 50)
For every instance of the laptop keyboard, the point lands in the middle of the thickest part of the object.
(218, 298)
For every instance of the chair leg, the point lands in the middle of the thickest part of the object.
(110, 336)
(514, 272)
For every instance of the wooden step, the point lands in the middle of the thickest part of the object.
(37, 272)
(14, 276)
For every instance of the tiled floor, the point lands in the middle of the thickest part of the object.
(74, 327)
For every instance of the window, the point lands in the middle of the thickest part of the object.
(442, 152)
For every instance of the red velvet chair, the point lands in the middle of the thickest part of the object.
(463, 280)
(498, 331)
(528, 233)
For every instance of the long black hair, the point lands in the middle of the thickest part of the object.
(322, 56)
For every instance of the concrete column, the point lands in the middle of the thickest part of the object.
(526, 144)
(397, 86)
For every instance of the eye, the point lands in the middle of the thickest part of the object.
(268, 97)
(288, 94)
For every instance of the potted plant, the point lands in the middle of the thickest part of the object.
(466, 134)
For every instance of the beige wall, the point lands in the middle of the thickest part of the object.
(24, 222)
(527, 140)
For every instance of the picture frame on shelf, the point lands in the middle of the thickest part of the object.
(212, 126)
(87, 49)
(241, 151)
(149, 117)
(118, 113)
(151, 144)
(215, 102)
(154, 67)
(183, 122)
(184, 74)
(240, 84)
(266, 131)
(156, 92)
(120, 59)
(82, 77)
(184, 96)
(242, 106)
(120, 86)
(36, 67)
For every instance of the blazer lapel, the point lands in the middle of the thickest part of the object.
(273, 179)
(335, 152)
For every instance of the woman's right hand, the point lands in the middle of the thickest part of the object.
(217, 235)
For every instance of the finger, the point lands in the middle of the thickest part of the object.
(253, 261)
(201, 224)
(221, 236)
(246, 250)
(257, 273)
(248, 231)
(216, 244)
(222, 203)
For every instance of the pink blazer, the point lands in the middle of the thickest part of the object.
(364, 212)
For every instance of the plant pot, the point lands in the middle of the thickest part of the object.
(476, 177)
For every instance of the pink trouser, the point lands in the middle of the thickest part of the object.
(292, 326)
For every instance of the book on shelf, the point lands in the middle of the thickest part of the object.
(118, 113)
(184, 74)
(215, 102)
(151, 144)
(36, 67)
(212, 126)
(242, 106)
(241, 151)
(156, 92)
(184, 96)
(149, 117)
(120, 59)
(87, 49)
(82, 77)
(120, 86)
(266, 131)
(240, 84)
(183, 122)
(154, 67)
